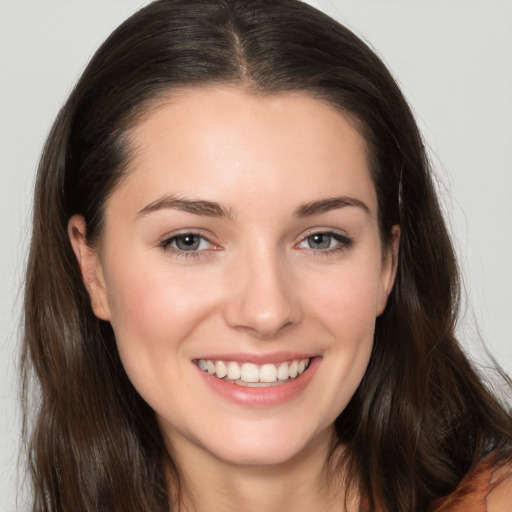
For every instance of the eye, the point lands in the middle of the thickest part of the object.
(187, 242)
(326, 241)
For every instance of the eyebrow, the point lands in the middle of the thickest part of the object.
(331, 203)
(195, 206)
(214, 209)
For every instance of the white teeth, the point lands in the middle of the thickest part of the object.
(294, 370)
(268, 373)
(233, 370)
(283, 372)
(251, 373)
(210, 367)
(221, 369)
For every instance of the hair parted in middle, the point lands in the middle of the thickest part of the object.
(420, 418)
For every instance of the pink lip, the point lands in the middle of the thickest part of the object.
(261, 397)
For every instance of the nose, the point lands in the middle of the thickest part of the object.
(261, 300)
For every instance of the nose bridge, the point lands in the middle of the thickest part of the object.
(262, 300)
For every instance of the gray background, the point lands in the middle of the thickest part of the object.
(453, 60)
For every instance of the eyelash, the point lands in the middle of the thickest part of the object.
(166, 245)
(343, 243)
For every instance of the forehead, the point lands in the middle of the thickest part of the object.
(227, 144)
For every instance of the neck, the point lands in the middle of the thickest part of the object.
(301, 483)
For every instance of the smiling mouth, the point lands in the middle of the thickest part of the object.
(255, 375)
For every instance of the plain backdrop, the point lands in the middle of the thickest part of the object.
(453, 60)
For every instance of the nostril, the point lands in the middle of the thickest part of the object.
(264, 329)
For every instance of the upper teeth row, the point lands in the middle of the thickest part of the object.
(250, 372)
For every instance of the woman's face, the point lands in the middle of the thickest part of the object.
(242, 246)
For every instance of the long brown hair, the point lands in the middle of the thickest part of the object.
(421, 417)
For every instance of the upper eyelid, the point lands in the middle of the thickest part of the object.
(325, 231)
(194, 232)
(345, 242)
(166, 243)
(305, 234)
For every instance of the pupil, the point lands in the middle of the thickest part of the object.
(320, 241)
(188, 242)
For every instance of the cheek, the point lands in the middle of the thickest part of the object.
(348, 302)
(346, 307)
(145, 302)
(152, 313)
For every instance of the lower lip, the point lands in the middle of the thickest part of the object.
(264, 396)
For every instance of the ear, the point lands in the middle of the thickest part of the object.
(389, 268)
(90, 266)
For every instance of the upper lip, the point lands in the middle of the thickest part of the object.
(258, 358)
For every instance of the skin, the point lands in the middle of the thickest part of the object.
(257, 284)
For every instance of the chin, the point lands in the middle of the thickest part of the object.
(267, 447)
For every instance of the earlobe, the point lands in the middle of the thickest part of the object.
(90, 267)
(389, 267)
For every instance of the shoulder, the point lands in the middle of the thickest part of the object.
(499, 499)
(487, 488)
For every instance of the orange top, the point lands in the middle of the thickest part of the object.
(488, 488)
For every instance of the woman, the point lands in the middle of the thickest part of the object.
(241, 293)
